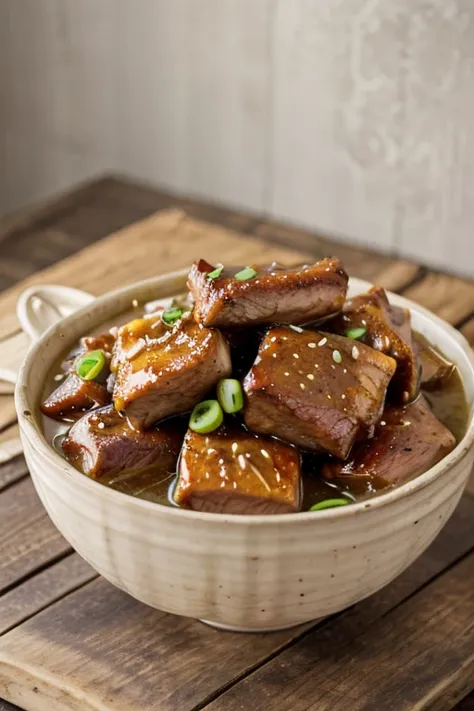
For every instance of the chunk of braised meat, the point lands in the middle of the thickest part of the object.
(388, 330)
(237, 472)
(104, 342)
(102, 444)
(275, 294)
(407, 442)
(316, 390)
(435, 368)
(161, 371)
(73, 397)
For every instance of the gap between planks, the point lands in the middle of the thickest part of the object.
(430, 636)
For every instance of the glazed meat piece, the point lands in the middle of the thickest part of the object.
(316, 390)
(435, 369)
(237, 472)
(74, 396)
(274, 294)
(103, 445)
(407, 442)
(161, 371)
(387, 329)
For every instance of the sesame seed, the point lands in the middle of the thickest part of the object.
(406, 423)
(265, 453)
(302, 386)
(316, 365)
(134, 303)
(235, 447)
(311, 345)
(274, 355)
(333, 366)
(364, 322)
(310, 376)
(295, 355)
(296, 328)
(285, 373)
(241, 460)
(355, 352)
(345, 370)
(101, 425)
(221, 461)
(343, 396)
(329, 397)
(273, 339)
(323, 341)
(210, 450)
(336, 356)
(383, 423)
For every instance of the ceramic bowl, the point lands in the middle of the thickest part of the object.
(236, 572)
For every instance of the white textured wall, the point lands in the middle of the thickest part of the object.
(355, 117)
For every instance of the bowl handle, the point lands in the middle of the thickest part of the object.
(40, 307)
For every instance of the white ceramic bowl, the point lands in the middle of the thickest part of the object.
(248, 573)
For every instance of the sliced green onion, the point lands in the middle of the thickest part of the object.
(245, 274)
(206, 417)
(356, 333)
(230, 395)
(90, 365)
(329, 504)
(171, 315)
(216, 273)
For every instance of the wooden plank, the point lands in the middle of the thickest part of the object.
(125, 676)
(449, 297)
(229, 84)
(10, 444)
(334, 137)
(419, 656)
(37, 216)
(133, 201)
(12, 352)
(160, 30)
(170, 237)
(12, 471)
(125, 655)
(43, 589)
(393, 274)
(468, 331)
(28, 539)
(7, 411)
(435, 163)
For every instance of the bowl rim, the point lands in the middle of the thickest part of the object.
(32, 432)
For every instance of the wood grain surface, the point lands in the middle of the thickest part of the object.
(73, 642)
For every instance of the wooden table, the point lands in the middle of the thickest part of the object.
(411, 646)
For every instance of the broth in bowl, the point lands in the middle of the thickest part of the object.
(262, 390)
